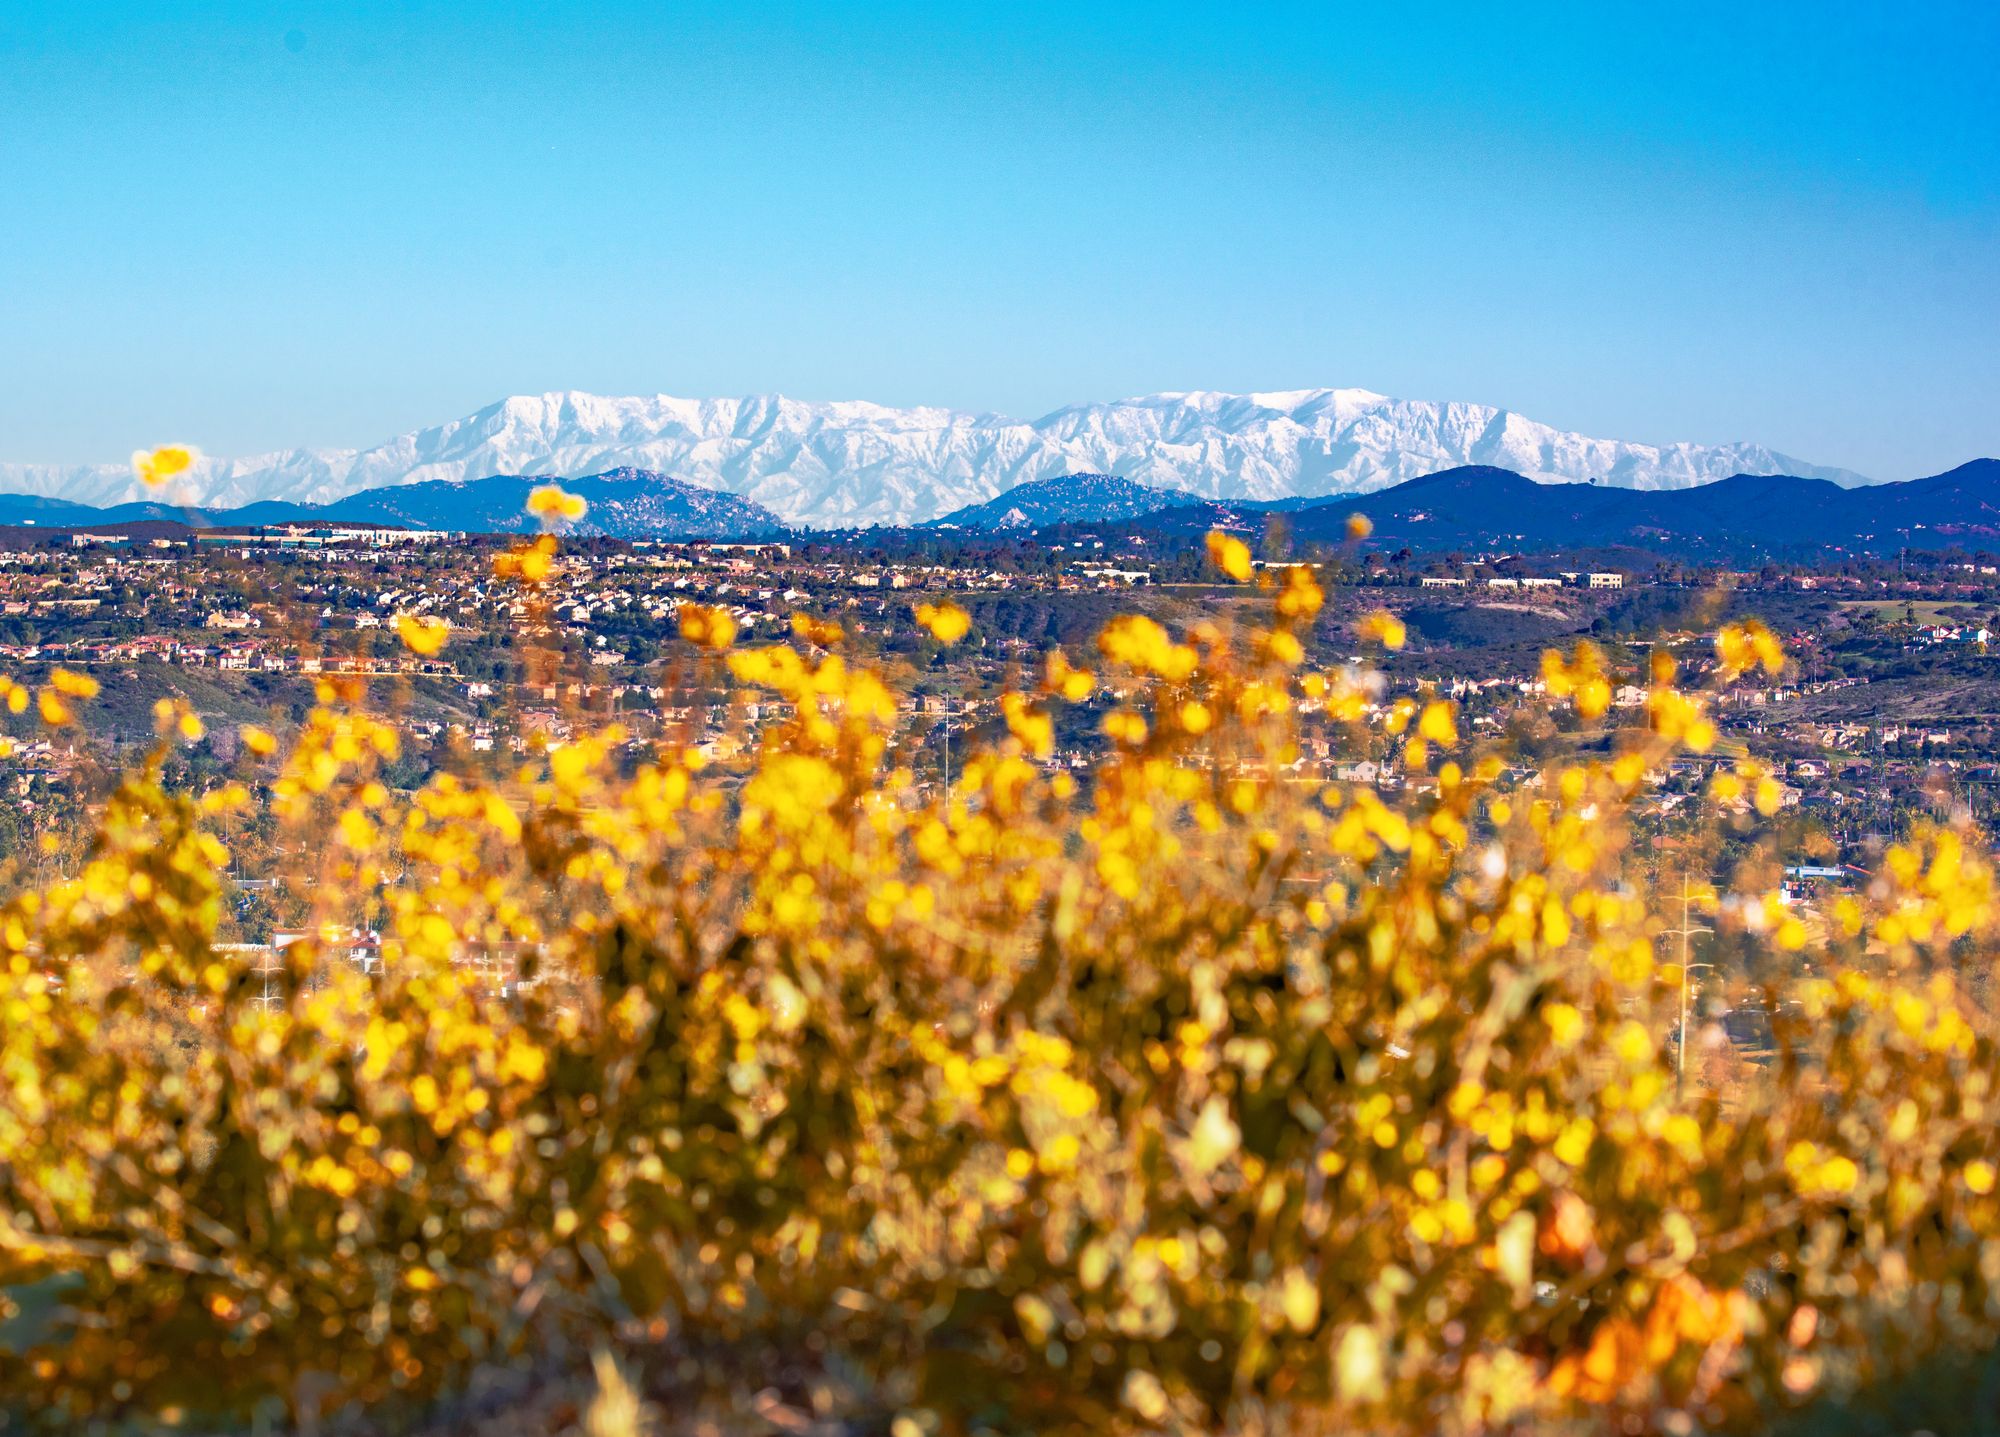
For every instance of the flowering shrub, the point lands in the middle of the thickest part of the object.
(1182, 1094)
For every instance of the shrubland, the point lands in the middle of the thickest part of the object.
(1182, 1093)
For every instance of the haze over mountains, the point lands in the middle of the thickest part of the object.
(856, 463)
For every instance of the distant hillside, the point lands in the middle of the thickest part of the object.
(36, 536)
(59, 513)
(1065, 499)
(624, 503)
(1474, 508)
(1478, 508)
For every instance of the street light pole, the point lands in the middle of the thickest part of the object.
(1681, 1042)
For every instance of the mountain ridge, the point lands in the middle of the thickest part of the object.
(1065, 498)
(1482, 509)
(854, 462)
(1470, 508)
(626, 503)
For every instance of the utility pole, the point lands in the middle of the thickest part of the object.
(267, 967)
(1685, 931)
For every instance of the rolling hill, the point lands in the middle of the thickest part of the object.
(1066, 499)
(624, 503)
(1477, 508)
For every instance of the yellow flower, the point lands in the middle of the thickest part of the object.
(530, 563)
(1300, 1300)
(422, 634)
(1742, 647)
(710, 627)
(1302, 596)
(156, 466)
(1384, 628)
(823, 632)
(1124, 726)
(1213, 1138)
(945, 622)
(1437, 723)
(1144, 646)
(552, 503)
(1061, 677)
(1230, 555)
(1580, 677)
(74, 685)
(1284, 646)
(1033, 728)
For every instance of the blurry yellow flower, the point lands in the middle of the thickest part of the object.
(1357, 1365)
(1141, 644)
(1060, 677)
(1384, 628)
(1302, 596)
(1230, 555)
(422, 634)
(1284, 646)
(1568, 1229)
(551, 503)
(1359, 526)
(1124, 726)
(710, 627)
(1580, 677)
(155, 466)
(1565, 1023)
(1145, 1395)
(1631, 1042)
(823, 632)
(1031, 726)
(1300, 1300)
(946, 622)
(531, 563)
(1214, 1137)
(1437, 724)
(74, 685)
(1742, 647)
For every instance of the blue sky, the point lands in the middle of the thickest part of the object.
(255, 226)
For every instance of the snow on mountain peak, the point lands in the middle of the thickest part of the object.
(856, 462)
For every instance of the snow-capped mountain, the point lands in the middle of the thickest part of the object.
(853, 463)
